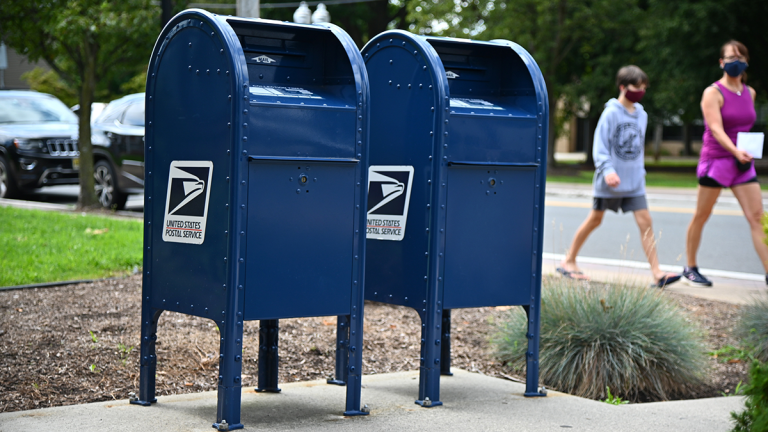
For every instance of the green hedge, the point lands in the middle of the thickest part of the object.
(755, 416)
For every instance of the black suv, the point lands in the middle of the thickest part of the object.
(38, 142)
(118, 150)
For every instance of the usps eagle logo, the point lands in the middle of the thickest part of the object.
(389, 194)
(186, 204)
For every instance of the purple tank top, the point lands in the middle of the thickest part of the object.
(738, 114)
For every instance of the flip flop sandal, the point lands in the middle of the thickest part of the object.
(666, 280)
(569, 274)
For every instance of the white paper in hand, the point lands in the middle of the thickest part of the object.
(751, 142)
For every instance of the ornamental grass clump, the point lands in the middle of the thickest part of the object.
(633, 340)
(753, 327)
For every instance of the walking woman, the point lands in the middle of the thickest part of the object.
(728, 106)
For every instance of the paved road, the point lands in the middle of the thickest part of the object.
(726, 243)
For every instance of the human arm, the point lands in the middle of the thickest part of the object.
(601, 151)
(711, 103)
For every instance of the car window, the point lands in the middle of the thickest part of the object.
(134, 115)
(105, 113)
(34, 109)
(111, 112)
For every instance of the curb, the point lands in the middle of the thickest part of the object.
(62, 283)
(67, 208)
(48, 284)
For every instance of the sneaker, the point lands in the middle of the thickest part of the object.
(694, 278)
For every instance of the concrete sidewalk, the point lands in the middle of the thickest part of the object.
(724, 289)
(473, 402)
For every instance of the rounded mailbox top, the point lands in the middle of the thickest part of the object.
(464, 69)
(469, 101)
(259, 52)
(206, 65)
(414, 45)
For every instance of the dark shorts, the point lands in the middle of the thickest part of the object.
(710, 182)
(625, 204)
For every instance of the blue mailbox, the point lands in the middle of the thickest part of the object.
(255, 196)
(456, 185)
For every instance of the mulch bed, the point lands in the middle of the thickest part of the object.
(79, 343)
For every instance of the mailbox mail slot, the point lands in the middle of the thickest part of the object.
(456, 185)
(255, 194)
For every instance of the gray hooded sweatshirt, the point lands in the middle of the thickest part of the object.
(619, 148)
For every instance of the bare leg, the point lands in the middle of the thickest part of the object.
(707, 196)
(644, 222)
(592, 221)
(751, 201)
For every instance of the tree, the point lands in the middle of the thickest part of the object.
(86, 42)
(593, 79)
(48, 81)
(680, 46)
(564, 36)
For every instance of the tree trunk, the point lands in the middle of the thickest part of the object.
(377, 22)
(687, 141)
(589, 140)
(167, 12)
(87, 198)
(657, 135)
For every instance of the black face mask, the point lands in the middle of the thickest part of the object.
(735, 68)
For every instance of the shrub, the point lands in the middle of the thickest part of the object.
(755, 416)
(634, 340)
(753, 327)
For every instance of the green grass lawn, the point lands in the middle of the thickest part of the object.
(671, 162)
(655, 179)
(649, 162)
(39, 246)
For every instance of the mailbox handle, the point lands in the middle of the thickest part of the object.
(302, 159)
(504, 164)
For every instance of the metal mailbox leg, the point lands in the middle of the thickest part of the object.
(230, 382)
(269, 359)
(148, 361)
(355, 361)
(429, 372)
(342, 351)
(445, 345)
(532, 355)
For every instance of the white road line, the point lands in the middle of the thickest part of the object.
(665, 267)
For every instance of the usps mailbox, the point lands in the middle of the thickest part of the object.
(255, 189)
(456, 185)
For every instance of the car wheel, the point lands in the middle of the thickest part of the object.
(8, 187)
(105, 183)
